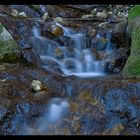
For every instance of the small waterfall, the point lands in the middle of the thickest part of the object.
(55, 111)
(78, 37)
(73, 61)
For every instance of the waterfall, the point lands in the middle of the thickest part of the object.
(81, 62)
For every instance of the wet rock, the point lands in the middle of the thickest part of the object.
(52, 65)
(121, 27)
(53, 29)
(117, 60)
(99, 43)
(65, 41)
(56, 31)
(58, 53)
(120, 40)
(31, 57)
(102, 14)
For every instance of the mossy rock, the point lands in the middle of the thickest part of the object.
(134, 12)
(9, 51)
(133, 18)
(132, 66)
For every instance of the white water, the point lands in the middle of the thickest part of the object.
(36, 32)
(55, 111)
(82, 63)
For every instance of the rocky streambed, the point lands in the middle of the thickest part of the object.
(107, 105)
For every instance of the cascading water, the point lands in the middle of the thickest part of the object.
(36, 32)
(81, 63)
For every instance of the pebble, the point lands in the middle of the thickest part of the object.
(22, 14)
(102, 14)
(87, 16)
(93, 32)
(59, 19)
(94, 11)
(14, 13)
(36, 85)
(45, 16)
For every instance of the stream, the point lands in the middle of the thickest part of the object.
(67, 79)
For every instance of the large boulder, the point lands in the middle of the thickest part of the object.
(132, 66)
(9, 51)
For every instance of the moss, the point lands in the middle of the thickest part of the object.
(134, 12)
(132, 67)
